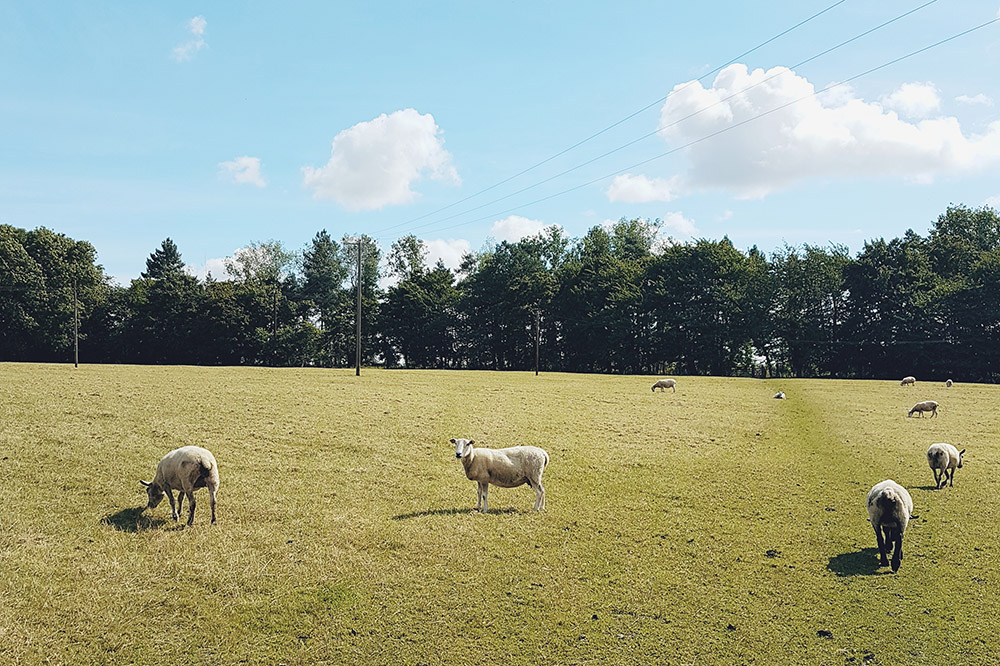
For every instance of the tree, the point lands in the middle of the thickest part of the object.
(324, 272)
(164, 262)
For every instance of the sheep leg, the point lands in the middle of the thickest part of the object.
(173, 508)
(674, 388)
(897, 551)
(951, 477)
(486, 491)
(180, 504)
(211, 502)
(883, 560)
(937, 478)
(191, 510)
(539, 496)
(480, 493)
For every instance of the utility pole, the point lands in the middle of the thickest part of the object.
(357, 365)
(538, 337)
(76, 328)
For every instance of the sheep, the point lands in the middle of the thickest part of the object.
(943, 459)
(186, 469)
(911, 381)
(889, 511)
(780, 395)
(948, 383)
(507, 468)
(664, 384)
(925, 406)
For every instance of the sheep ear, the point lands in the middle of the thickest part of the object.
(145, 483)
(962, 452)
(452, 440)
(471, 442)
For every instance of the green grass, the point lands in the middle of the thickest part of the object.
(711, 526)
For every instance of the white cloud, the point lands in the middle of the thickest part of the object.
(816, 137)
(374, 164)
(514, 228)
(676, 222)
(975, 99)
(993, 202)
(243, 170)
(725, 215)
(642, 189)
(187, 50)
(448, 251)
(915, 100)
(217, 267)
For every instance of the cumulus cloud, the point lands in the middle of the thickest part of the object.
(187, 50)
(243, 170)
(450, 251)
(374, 163)
(217, 267)
(642, 189)
(819, 136)
(676, 223)
(915, 100)
(514, 228)
(982, 99)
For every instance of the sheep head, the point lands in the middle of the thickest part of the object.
(154, 492)
(463, 447)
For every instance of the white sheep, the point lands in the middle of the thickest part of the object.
(948, 383)
(184, 469)
(890, 508)
(925, 406)
(943, 459)
(664, 384)
(911, 381)
(507, 468)
(780, 395)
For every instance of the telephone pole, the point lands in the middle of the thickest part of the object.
(538, 337)
(357, 366)
(76, 328)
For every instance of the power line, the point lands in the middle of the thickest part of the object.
(659, 128)
(613, 125)
(723, 130)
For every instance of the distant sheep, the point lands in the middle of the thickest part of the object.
(908, 381)
(665, 384)
(943, 459)
(948, 383)
(889, 511)
(779, 395)
(507, 468)
(925, 406)
(184, 469)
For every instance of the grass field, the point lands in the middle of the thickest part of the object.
(711, 526)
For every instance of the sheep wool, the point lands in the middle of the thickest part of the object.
(943, 460)
(890, 508)
(185, 469)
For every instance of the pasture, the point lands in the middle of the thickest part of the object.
(711, 526)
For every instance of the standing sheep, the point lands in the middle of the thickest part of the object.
(780, 395)
(908, 381)
(664, 384)
(948, 383)
(184, 469)
(925, 406)
(943, 459)
(507, 468)
(889, 510)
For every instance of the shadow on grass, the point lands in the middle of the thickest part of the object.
(862, 563)
(132, 520)
(448, 512)
(925, 488)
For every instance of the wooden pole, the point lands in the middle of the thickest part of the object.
(357, 369)
(76, 328)
(538, 338)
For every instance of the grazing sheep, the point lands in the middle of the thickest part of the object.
(664, 384)
(780, 395)
(889, 511)
(184, 469)
(507, 468)
(911, 381)
(943, 459)
(925, 406)
(948, 383)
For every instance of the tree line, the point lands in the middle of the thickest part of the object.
(617, 300)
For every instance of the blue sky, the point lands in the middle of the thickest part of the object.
(219, 124)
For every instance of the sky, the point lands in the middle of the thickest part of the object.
(465, 123)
